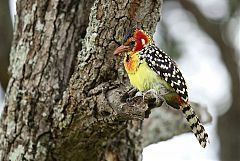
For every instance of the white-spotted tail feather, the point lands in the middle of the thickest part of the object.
(196, 125)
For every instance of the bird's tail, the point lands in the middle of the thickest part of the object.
(195, 124)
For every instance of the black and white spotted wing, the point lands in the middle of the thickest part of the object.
(164, 66)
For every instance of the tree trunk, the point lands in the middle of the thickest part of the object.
(63, 98)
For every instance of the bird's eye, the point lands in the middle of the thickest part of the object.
(132, 44)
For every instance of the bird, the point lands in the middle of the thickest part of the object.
(150, 68)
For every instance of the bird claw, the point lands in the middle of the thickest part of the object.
(148, 95)
(138, 94)
(153, 98)
(129, 95)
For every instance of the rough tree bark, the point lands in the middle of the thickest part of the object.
(64, 99)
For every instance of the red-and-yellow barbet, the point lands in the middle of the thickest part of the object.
(148, 67)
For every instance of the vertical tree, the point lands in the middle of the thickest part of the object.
(62, 75)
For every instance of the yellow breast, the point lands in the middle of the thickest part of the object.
(140, 75)
(144, 78)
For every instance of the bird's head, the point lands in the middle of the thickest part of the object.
(134, 40)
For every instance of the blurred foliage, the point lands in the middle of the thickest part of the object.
(5, 41)
(234, 5)
(169, 45)
(217, 30)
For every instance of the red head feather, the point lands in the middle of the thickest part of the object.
(134, 40)
(141, 39)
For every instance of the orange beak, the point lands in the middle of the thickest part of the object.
(122, 49)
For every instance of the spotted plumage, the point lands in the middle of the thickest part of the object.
(163, 65)
(148, 67)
